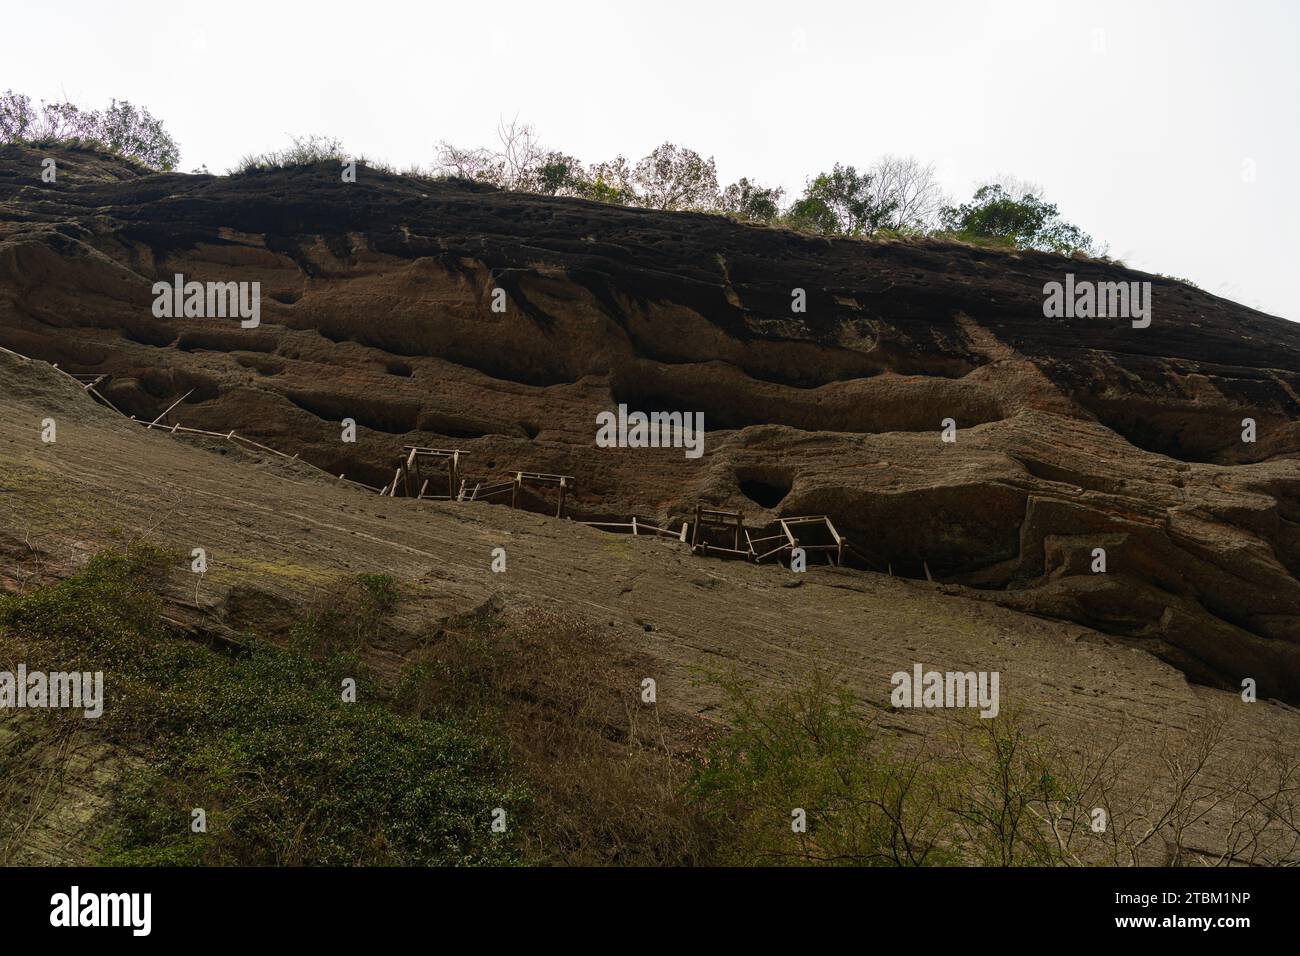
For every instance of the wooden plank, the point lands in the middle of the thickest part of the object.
(768, 554)
(170, 407)
(95, 393)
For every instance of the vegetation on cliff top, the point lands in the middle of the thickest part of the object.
(894, 196)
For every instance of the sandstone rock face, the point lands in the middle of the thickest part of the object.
(1072, 434)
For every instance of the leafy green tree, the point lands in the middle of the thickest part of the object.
(813, 215)
(1024, 222)
(16, 116)
(843, 202)
(751, 201)
(674, 177)
(609, 182)
(128, 130)
(558, 174)
(134, 132)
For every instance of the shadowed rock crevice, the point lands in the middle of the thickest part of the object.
(765, 489)
(394, 418)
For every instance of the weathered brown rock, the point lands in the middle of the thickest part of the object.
(1073, 434)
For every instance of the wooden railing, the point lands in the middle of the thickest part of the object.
(409, 475)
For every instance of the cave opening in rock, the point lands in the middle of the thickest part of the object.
(763, 492)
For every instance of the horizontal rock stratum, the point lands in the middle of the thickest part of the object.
(1072, 434)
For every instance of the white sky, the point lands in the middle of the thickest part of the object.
(1140, 119)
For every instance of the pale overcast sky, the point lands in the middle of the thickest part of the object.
(1169, 130)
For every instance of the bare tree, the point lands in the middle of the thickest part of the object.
(913, 189)
(515, 163)
(1015, 187)
(463, 163)
(520, 155)
(1213, 795)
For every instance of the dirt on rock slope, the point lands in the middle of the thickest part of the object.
(376, 305)
(280, 536)
(1072, 434)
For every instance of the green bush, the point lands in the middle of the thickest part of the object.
(287, 771)
(995, 216)
(290, 774)
(105, 618)
(810, 750)
(303, 151)
(993, 797)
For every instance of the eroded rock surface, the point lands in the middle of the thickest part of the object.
(1073, 434)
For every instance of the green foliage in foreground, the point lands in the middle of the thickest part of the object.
(992, 798)
(287, 772)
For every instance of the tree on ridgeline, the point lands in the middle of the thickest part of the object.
(123, 129)
(673, 178)
(1017, 217)
(750, 201)
(912, 189)
(842, 202)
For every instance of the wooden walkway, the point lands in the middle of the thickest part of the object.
(424, 472)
